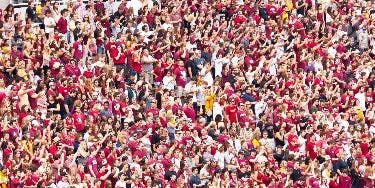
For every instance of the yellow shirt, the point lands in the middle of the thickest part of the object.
(5, 49)
(288, 5)
(3, 179)
(255, 143)
(38, 9)
(172, 122)
(22, 73)
(28, 146)
(209, 103)
(359, 114)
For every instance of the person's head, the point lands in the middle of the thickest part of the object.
(106, 105)
(132, 85)
(48, 13)
(195, 170)
(64, 13)
(73, 93)
(122, 176)
(79, 38)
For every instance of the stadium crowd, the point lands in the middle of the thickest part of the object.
(188, 93)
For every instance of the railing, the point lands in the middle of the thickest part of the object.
(23, 3)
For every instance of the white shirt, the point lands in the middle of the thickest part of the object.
(331, 52)
(259, 108)
(1, 157)
(218, 63)
(328, 18)
(363, 39)
(62, 184)
(204, 173)
(317, 66)
(361, 97)
(235, 61)
(207, 76)
(50, 24)
(344, 124)
(372, 130)
(302, 148)
(190, 46)
(261, 158)
(121, 184)
(135, 4)
(217, 110)
(81, 9)
(208, 140)
(273, 67)
(220, 157)
(337, 36)
(166, 26)
(189, 87)
(110, 7)
(169, 83)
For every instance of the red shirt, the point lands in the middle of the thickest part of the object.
(91, 161)
(180, 80)
(120, 60)
(78, 50)
(79, 121)
(137, 66)
(99, 6)
(102, 182)
(344, 182)
(271, 10)
(333, 184)
(242, 117)
(159, 74)
(154, 111)
(239, 19)
(231, 111)
(72, 70)
(190, 113)
(62, 25)
(310, 150)
(53, 149)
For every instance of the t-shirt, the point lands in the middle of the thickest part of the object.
(78, 50)
(231, 111)
(49, 23)
(62, 25)
(79, 121)
(333, 184)
(344, 182)
(68, 101)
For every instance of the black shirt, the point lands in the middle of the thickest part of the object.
(68, 101)
(296, 175)
(194, 69)
(52, 106)
(155, 139)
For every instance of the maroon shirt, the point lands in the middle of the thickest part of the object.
(78, 50)
(344, 182)
(333, 184)
(99, 7)
(62, 25)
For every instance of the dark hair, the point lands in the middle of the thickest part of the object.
(63, 11)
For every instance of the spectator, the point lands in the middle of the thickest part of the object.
(188, 94)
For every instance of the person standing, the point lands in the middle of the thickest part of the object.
(49, 23)
(344, 179)
(195, 180)
(62, 24)
(78, 48)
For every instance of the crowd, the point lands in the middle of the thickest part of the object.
(188, 93)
